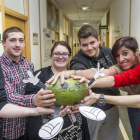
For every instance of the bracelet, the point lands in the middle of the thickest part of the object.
(76, 73)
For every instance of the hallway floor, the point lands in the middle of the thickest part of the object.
(125, 132)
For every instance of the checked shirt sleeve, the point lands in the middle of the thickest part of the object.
(128, 77)
(15, 92)
(15, 98)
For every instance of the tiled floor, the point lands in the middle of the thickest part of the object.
(125, 132)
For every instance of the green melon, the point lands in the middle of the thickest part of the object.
(71, 93)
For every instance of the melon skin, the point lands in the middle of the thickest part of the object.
(71, 93)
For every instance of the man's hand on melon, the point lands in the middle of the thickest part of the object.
(42, 98)
(81, 79)
(75, 109)
(65, 110)
(91, 99)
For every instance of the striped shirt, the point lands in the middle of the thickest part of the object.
(14, 73)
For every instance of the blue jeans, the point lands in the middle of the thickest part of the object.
(134, 118)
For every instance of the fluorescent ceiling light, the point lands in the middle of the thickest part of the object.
(86, 23)
(84, 8)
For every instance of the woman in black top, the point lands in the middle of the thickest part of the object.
(60, 55)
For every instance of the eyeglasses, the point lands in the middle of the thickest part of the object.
(64, 55)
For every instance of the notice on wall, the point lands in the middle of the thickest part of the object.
(117, 33)
(47, 43)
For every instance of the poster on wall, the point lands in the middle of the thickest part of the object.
(47, 43)
(117, 33)
(35, 38)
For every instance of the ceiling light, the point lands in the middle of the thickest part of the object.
(86, 23)
(84, 8)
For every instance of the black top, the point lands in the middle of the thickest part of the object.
(82, 61)
(72, 123)
(3, 97)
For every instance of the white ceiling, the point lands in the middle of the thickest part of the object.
(70, 9)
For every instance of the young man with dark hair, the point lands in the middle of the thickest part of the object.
(88, 56)
(15, 67)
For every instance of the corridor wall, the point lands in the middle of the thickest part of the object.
(135, 20)
(34, 28)
(119, 16)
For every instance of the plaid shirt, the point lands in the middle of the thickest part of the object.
(14, 73)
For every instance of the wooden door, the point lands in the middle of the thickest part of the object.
(71, 47)
(76, 46)
(13, 21)
(107, 39)
(56, 36)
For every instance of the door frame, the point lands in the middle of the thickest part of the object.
(4, 10)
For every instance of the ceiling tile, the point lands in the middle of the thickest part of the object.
(70, 9)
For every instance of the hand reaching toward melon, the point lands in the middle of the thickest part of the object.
(71, 92)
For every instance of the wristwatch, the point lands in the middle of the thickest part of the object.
(101, 101)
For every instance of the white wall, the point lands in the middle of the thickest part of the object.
(119, 15)
(43, 18)
(34, 28)
(61, 23)
(16, 5)
(103, 31)
(43, 22)
(1, 47)
(135, 20)
(62, 37)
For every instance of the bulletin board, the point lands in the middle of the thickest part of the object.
(47, 43)
(117, 33)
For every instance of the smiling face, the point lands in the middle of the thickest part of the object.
(90, 46)
(14, 45)
(126, 58)
(60, 62)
